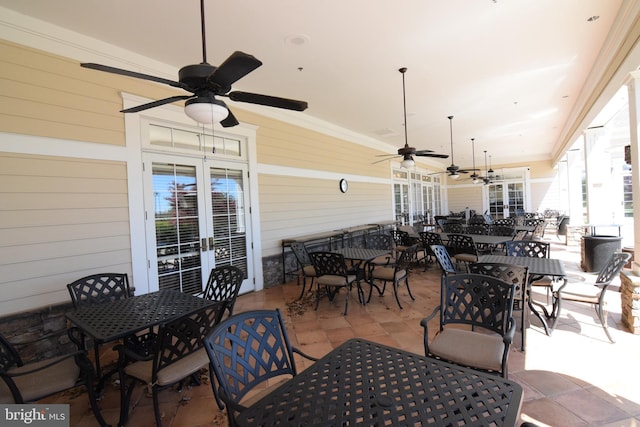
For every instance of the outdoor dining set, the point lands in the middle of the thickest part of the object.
(168, 337)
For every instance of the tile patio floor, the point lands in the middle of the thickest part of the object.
(573, 378)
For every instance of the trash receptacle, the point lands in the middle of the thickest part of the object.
(596, 251)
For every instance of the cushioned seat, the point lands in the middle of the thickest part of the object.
(475, 327)
(470, 348)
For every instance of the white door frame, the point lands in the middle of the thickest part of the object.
(135, 143)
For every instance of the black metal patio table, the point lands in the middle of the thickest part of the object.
(482, 239)
(536, 266)
(114, 320)
(365, 383)
(360, 258)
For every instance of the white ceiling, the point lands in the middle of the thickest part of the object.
(509, 71)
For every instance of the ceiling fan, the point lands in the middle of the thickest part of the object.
(454, 170)
(474, 176)
(407, 152)
(205, 82)
(490, 176)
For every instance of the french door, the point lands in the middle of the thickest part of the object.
(505, 198)
(196, 219)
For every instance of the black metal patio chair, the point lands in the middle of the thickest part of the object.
(29, 382)
(98, 289)
(175, 354)
(224, 285)
(246, 351)
(334, 275)
(484, 304)
(594, 293)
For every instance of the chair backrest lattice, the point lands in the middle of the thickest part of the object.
(429, 238)
(223, 285)
(461, 244)
(406, 258)
(401, 238)
(453, 228)
(300, 252)
(329, 264)
(509, 273)
(477, 229)
(503, 230)
(99, 288)
(378, 241)
(477, 300)
(528, 248)
(247, 349)
(509, 222)
(611, 269)
(444, 259)
(184, 336)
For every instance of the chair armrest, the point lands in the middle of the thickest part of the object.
(53, 362)
(507, 339)
(425, 324)
(303, 354)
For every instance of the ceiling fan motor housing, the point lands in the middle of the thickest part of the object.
(195, 75)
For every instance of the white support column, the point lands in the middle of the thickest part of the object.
(575, 168)
(634, 120)
(598, 171)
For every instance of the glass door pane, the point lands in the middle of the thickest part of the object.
(176, 218)
(496, 200)
(228, 218)
(515, 196)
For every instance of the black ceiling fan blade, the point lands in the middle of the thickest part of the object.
(436, 155)
(156, 103)
(270, 101)
(133, 74)
(235, 67)
(388, 157)
(230, 121)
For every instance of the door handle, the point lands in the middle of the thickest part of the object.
(203, 246)
(211, 243)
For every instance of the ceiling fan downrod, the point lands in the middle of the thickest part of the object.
(404, 105)
(204, 34)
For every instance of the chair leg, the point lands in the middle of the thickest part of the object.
(346, 303)
(156, 407)
(395, 293)
(125, 399)
(406, 282)
(87, 372)
(96, 355)
(317, 296)
(602, 315)
(304, 285)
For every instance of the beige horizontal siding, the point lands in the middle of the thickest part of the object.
(282, 144)
(302, 206)
(47, 95)
(60, 219)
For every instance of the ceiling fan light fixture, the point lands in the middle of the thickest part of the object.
(205, 110)
(408, 163)
(454, 175)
